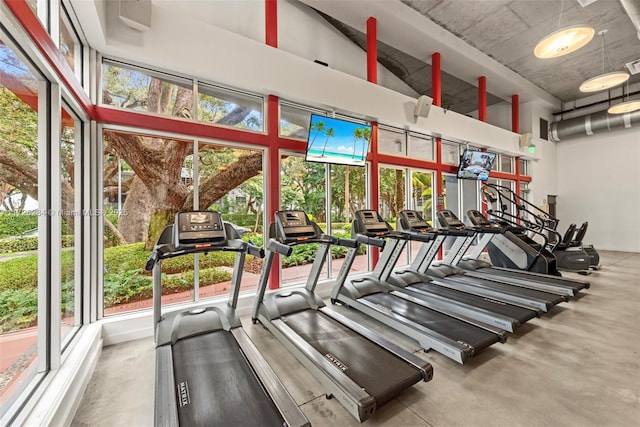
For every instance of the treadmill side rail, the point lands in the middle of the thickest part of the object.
(166, 407)
(425, 367)
(354, 398)
(291, 413)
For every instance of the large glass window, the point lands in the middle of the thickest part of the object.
(348, 194)
(70, 46)
(421, 147)
(294, 121)
(227, 107)
(392, 194)
(302, 186)
(391, 141)
(470, 197)
(450, 153)
(230, 181)
(144, 90)
(524, 167)
(507, 163)
(19, 233)
(146, 181)
(70, 218)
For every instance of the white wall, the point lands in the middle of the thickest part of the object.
(599, 182)
(301, 31)
(190, 47)
(544, 173)
(304, 33)
(499, 115)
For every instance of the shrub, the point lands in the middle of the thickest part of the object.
(12, 224)
(18, 308)
(24, 244)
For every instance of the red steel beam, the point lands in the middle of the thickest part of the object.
(482, 98)
(515, 113)
(436, 79)
(372, 50)
(271, 22)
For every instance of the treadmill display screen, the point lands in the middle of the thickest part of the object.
(199, 227)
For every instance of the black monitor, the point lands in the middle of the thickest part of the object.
(475, 165)
(337, 141)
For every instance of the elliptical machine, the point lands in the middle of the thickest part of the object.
(529, 220)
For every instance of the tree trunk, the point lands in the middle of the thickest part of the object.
(136, 212)
(119, 238)
(159, 220)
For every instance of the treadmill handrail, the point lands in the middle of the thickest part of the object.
(170, 250)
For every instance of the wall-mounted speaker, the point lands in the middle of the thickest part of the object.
(526, 139)
(423, 106)
(135, 14)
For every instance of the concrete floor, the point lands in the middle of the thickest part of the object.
(578, 365)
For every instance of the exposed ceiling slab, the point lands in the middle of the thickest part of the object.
(491, 38)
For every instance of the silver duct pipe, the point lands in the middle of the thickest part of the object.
(591, 124)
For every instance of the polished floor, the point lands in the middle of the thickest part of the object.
(578, 365)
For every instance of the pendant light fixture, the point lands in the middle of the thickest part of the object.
(625, 106)
(564, 40)
(604, 80)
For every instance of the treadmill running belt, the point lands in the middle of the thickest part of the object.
(382, 374)
(450, 327)
(515, 312)
(216, 385)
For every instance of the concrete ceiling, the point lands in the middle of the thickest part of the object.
(506, 31)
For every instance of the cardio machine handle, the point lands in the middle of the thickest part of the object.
(338, 241)
(281, 248)
(371, 241)
(255, 250)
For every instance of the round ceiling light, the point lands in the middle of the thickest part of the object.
(564, 41)
(604, 81)
(624, 107)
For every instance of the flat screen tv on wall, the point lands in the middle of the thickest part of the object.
(475, 165)
(337, 141)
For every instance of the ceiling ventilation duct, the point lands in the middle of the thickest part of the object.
(592, 124)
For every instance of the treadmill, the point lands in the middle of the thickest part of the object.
(450, 276)
(356, 366)
(431, 326)
(208, 372)
(487, 310)
(486, 232)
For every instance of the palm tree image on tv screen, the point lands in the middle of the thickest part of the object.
(337, 141)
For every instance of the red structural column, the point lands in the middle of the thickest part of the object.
(436, 79)
(273, 179)
(372, 50)
(515, 113)
(436, 95)
(271, 22)
(482, 98)
(372, 76)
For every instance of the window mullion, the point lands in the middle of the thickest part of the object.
(44, 238)
(55, 232)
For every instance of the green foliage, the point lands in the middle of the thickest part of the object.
(15, 224)
(127, 286)
(18, 308)
(24, 244)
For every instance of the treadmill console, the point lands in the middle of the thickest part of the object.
(294, 226)
(412, 221)
(477, 218)
(448, 219)
(369, 222)
(199, 227)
